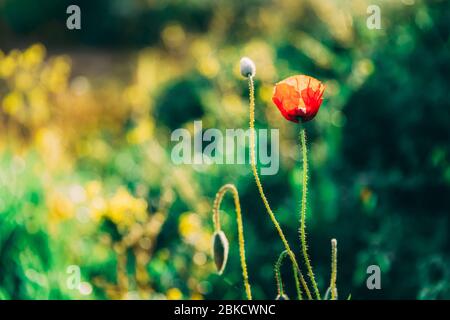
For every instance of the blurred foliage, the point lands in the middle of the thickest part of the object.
(85, 123)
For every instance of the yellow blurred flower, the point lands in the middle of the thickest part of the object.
(142, 132)
(33, 56)
(208, 66)
(13, 102)
(60, 207)
(125, 210)
(193, 232)
(196, 296)
(189, 224)
(98, 208)
(93, 189)
(23, 81)
(174, 294)
(48, 142)
(207, 63)
(55, 75)
(9, 64)
(39, 107)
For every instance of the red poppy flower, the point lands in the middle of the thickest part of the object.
(298, 97)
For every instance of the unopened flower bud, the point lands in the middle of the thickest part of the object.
(282, 297)
(220, 251)
(334, 243)
(248, 67)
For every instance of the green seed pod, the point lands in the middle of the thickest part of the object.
(220, 250)
(282, 297)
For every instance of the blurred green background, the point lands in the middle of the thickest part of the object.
(86, 177)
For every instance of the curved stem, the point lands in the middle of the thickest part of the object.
(261, 190)
(303, 214)
(333, 269)
(216, 218)
(279, 280)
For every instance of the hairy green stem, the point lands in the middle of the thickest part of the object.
(302, 230)
(333, 269)
(279, 279)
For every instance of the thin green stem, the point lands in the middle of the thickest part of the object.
(333, 269)
(303, 214)
(216, 219)
(261, 190)
(279, 279)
